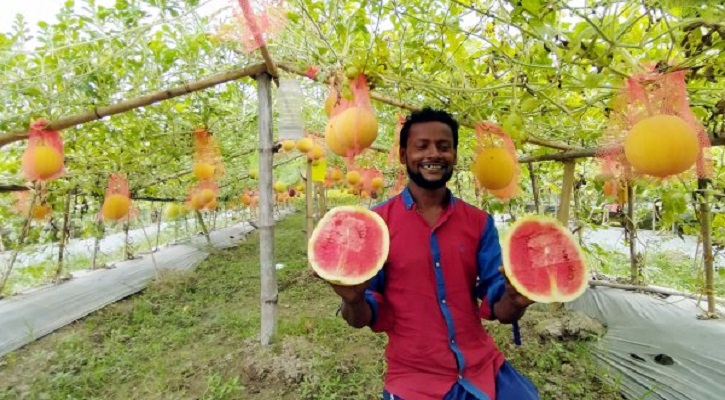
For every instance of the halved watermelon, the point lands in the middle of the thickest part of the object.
(543, 261)
(349, 245)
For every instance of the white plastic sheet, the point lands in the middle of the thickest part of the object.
(658, 347)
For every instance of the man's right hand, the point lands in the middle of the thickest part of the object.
(349, 294)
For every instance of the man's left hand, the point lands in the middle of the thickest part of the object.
(519, 301)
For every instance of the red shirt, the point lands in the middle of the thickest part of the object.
(430, 296)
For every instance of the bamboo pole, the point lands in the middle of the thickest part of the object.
(309, 200)
(707, 255)
(142, 101)
(631, 228)
(535, 188)
(200, 220)
(564, 204)
(63, 235)
(266, 218)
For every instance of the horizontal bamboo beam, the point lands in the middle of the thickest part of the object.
(412, 107)
(13, 188)
(142, 101)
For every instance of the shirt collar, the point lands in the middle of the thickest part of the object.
(408, 198)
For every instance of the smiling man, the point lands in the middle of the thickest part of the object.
(442, 276)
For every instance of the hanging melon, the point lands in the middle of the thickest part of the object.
(203, 171)
(661, 145)
(353, 177)
(47, 161)
(115, 207)
(494, 168)
(304, 145)
(356, 128)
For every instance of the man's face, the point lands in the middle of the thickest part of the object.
(430, 155)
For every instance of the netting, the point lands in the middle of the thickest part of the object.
(489, 136)
(22, 201)
(117, 205)
(43, 159)
(353, 125)
(206, 151)
(644, 95)
(255, 24)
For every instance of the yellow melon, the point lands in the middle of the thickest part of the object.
(41, 211)
(115, 207)
(203, 171)
(377, 182)
(280, 187)
(494, 168)
(336, 175)
(206, 196)
(288, 145)
(304, 145)
(316, 153)
(47, 161)
(356, 127)
(353, 177)
(332, 141)
(661, 145)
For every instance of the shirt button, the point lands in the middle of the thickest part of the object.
(453, 341)
(438, 264)
(460, 377)
(443, 301)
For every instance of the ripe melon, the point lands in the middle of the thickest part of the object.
(349, 245)
(206, 196)
(356, 128)
(246, 199)
(173, 211)
(336, 175)
(353, 177)
(494, 168)
(41, 211)
(304, 145)
(47, 161)
(316, 153)
(543, 261)
(288, 145)
(332, 141)
(279, 187)
(115, 207)
(661, 145)
(377, 182)
(203, 171)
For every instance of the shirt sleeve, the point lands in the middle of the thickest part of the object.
(490, 284)
(381, 320)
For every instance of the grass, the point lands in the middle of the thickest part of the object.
(193, 335)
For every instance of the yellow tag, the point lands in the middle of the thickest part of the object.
(319, 171)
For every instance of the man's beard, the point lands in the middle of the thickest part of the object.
(426, 184)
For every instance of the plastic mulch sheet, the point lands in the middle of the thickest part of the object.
(25, 318)
(658, 346)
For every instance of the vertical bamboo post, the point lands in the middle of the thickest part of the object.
(566, 192)
(631, 228)
(63, 235)
(309, 200)
(200, 221)
(534, 188)
(707, 255)
(577, 211)
(564, 203)
(266, 218)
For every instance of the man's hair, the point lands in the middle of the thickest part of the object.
(428, 114)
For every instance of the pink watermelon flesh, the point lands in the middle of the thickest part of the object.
(349, 246)
(545, 262)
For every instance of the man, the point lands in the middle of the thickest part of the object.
(444, 257)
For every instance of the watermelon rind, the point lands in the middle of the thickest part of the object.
(375, 265)
(555, 296)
